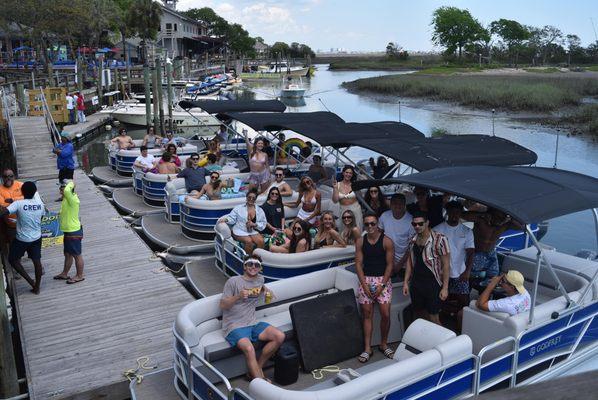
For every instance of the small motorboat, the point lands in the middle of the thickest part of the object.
(292, 89)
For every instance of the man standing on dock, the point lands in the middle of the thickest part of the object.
(28, 238)
(9, 192)
(65, 161)
(80, 107)
(70, 225)
(70, 105)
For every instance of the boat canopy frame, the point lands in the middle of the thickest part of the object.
(516, 192)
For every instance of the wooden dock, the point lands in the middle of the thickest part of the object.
(35, 159)
(89, 127)
(79, 339)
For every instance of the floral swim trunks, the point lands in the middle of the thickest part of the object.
(385, 295)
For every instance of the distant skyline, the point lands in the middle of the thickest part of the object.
(369, 26)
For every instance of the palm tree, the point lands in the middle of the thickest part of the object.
(144, 19)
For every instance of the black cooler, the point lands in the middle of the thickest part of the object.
(286, 365)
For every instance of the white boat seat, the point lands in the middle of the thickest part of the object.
(216, 347)
(421, 335)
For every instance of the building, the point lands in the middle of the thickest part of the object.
(262, 50)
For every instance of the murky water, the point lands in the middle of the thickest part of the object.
(569, 234)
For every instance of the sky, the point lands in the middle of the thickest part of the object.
(370, 25)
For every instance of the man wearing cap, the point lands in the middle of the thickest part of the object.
(65, 161)
(240, 297)
(517, 300)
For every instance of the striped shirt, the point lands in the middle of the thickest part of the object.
(435, 247)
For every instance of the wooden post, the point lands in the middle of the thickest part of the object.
(21, 99)
(79, 73)
(148, 101)
(160, 93)
(128, 65)
(9, 386)
(169, 93)
(155, 98)
(100, 78)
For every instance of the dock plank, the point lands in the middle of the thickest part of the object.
(79, 339)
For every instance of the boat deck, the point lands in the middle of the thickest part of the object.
(127, 201)
(79, 339)
(107, 176)
(167, 235)
(204, 277)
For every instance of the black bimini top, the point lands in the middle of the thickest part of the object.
(528, 194)
(222, 106)
(450, 150)
(279, 121)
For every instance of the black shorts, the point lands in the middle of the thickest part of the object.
(65, 173)
(18, 249)
(426, 298)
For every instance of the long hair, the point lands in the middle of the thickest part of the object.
(381, 207)
(216, 183)
(350, 167)
(304, 235)
(279, 201)
(321, 228)
(302, 188)
(347, 229)
(171, 145)
(254, 147)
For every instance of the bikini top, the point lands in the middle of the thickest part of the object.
(341, 195)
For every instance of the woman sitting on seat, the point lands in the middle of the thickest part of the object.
(327, 235)
(274, 210)
(375, 199)
(171, 148)
(247, 220)
(350, 233)
(166, 166)
(310, 200)
(300, 240)
(211, 190)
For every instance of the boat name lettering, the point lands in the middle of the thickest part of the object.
(545, 345)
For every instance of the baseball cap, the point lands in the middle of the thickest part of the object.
(515, 278)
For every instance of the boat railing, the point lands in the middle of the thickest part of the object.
(481, 365)
(54, 133)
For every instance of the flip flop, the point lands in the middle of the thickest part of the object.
(365, 357)
(388, 352)
(61, 278)
(71, 281)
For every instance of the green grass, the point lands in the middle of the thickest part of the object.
(448, 70)
(384, 64)
(550, 70)
(592, 68)
(516, 93)
(584, 117)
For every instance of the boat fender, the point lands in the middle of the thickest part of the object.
(116, 122)
(108, 127)
(289, 144)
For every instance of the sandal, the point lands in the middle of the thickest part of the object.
(365, 357)
(71, 281)
(388, 352)
(61, 278)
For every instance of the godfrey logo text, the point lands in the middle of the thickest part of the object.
(545, 345)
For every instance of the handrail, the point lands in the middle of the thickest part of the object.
(13, 143)
(54, 133)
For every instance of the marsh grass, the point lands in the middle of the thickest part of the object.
(585, 117)
(515, 93)
(550, 70)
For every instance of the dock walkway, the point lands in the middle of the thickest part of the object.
(35, 159)
(79, 339)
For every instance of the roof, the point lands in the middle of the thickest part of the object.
(450, 150)
(528, 194)
(272, 107)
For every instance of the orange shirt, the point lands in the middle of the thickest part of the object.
(14, 193)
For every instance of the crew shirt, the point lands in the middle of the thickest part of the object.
(29, 214)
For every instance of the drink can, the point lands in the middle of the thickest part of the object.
(373, 288)
(268, 297)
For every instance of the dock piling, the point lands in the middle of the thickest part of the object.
(169, 92)
(160, 93)
(148, 101)
(155, 96)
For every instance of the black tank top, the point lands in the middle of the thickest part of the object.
(374, 257)
(422, 276)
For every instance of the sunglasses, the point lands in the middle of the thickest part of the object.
(373, 191)
(347, 217)
(278, 175)
(417, 223)
(274, 194)
(370, 223)
(195, 158)
(251, 197)
(214, 177)
(8, 176)
(253, 264)
(297, 229)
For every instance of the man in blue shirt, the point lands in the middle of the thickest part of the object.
(65, 161)
(29, 212)
(195, 177)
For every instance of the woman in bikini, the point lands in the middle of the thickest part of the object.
(349, 233)
(327, 235)
(344, 195)
(310, 199)
(247, 220)
(259, 166)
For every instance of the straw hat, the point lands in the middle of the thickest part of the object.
(515, 278)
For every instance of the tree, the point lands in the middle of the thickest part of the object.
(281, 49)
(574, 49)
(217, 26)
(123, 7)
(512, 33)
(144, 20)
(549, 35)
(306, 51)
(239, 41)
(454, 29)
(392, 49)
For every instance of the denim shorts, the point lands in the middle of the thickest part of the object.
(250, 332)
